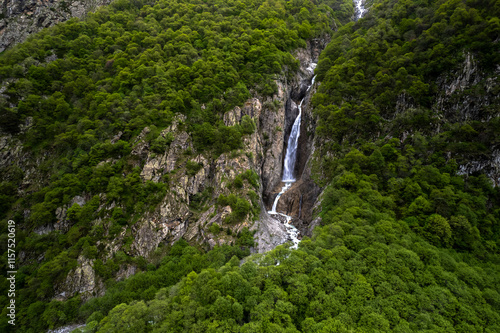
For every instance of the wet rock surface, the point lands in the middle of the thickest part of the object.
(298, 202)
(296, 91)
(270, 232)
(175, 216)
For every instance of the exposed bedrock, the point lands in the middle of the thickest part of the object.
(291, 92)
(299, 200)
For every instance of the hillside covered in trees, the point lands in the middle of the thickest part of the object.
(407, 150)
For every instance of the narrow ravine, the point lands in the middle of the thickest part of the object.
(288, 169)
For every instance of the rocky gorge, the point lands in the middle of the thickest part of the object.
(209, 165)
(175, 218)
(263, 153)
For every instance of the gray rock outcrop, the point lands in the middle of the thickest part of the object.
(263, 152)
(81, 280)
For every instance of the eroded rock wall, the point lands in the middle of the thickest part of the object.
(176, 217)
(299, 200)
(468, 93)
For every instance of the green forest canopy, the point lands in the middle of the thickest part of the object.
(407, 244)
(129, 65)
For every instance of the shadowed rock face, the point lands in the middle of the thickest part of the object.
(290, 95)
(306, 140)
(298, 201)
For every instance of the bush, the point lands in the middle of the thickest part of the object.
(247, 125)
(192, 167)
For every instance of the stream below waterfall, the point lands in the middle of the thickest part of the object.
(360, 9)
(289, 166)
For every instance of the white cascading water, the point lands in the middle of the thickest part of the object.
(293, 142)
(291, 152)
(289, 165)
(293, 233)
(360, 8)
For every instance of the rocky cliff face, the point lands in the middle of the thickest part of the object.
(455, 100)
(21, 163)
(21, 18)
(189, 209)
(467, 94)
(263, 153)
(299, 200)
(470, 94)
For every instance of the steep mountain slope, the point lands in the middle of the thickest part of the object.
(409, 235)
(142, 127)
(428, 111)
(20, 19)
(143, 124)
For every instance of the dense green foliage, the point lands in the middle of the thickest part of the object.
(365, 271)
(383, 261)
(79, 94)
(407, 243)
(132, 65)
(180, 260)
(240, 206)
(401, 51)
(425, 191)
(397, 53)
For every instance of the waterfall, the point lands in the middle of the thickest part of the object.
(359, 9)
(283, 190)
(291, 152)
(293, 142)
(289, 165)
